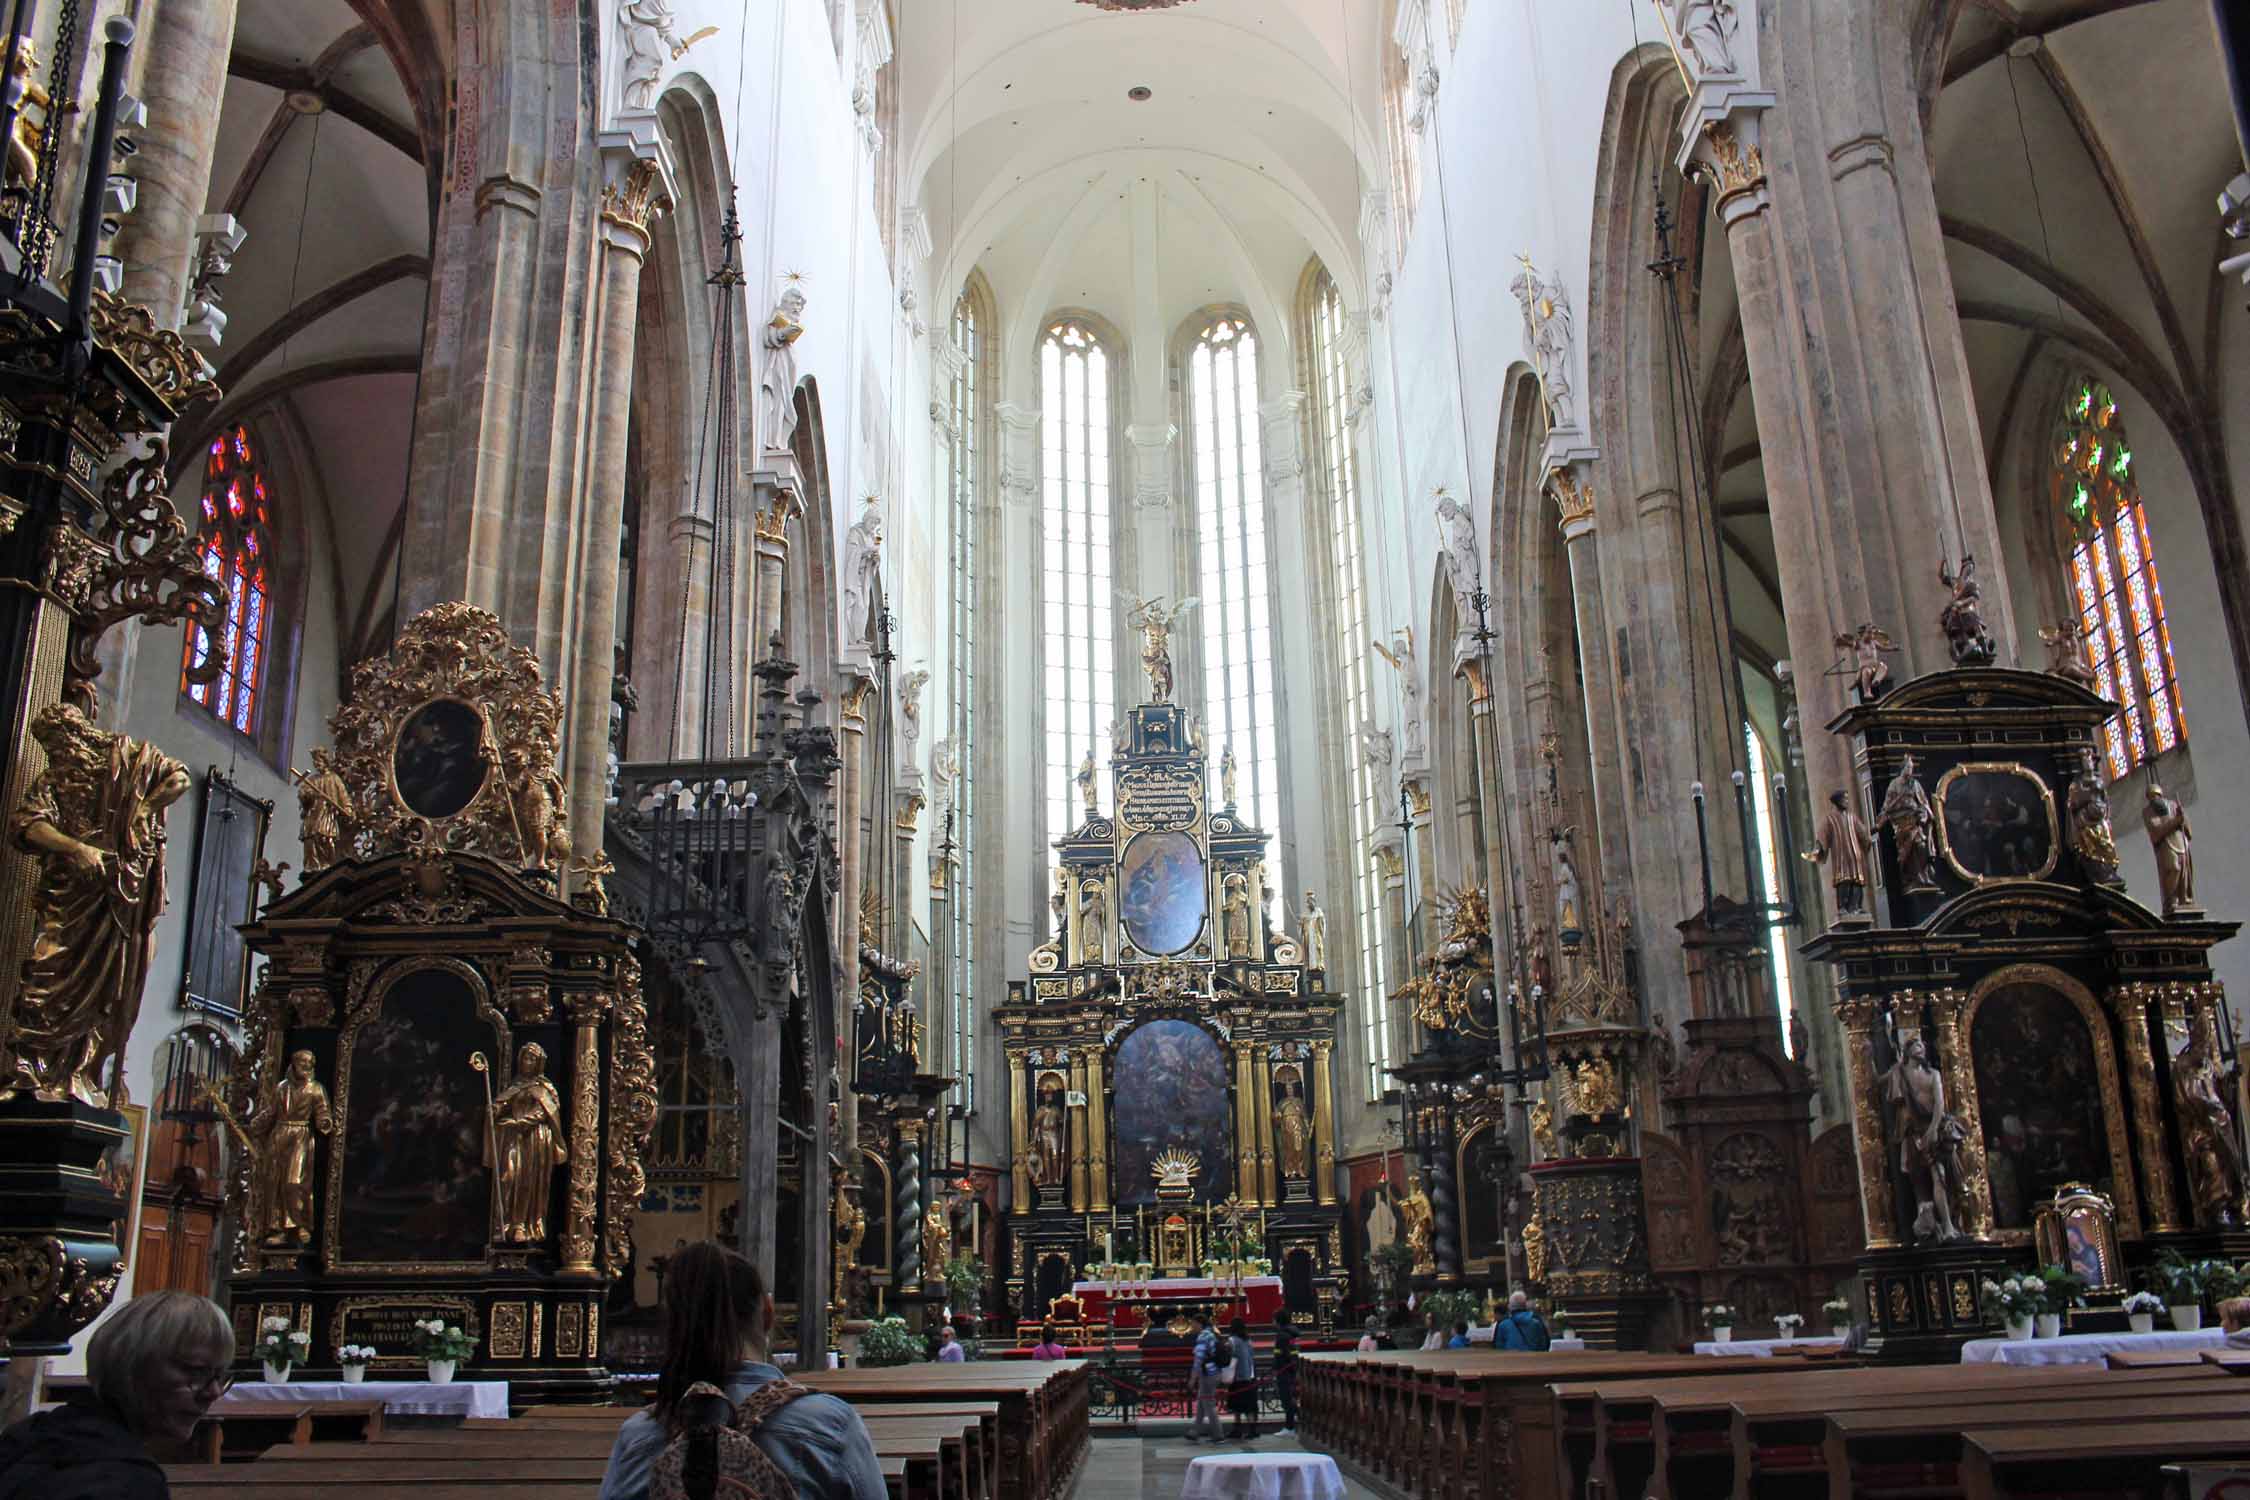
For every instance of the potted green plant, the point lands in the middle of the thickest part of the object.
(2141, 1309)
(1839, 1311)
(1396, 1263)
(888, 1341)
(2015, 1301)
(1558, 1322)
(1450, 1309)
(964, 1288)
(2183, 1284)
(441, 1346)
(1721, 1318)
(280, 1346)
(353, 1359)
(2060, 1290)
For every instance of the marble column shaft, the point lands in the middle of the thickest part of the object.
(182, 66)
(1097, 1128)
(1324, 1126)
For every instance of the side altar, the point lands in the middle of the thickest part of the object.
(446, 1101)
(1170, 1092)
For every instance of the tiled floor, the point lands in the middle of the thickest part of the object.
(1153, 1467)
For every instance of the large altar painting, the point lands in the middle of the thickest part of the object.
(2039, 1092)
(415, 1187)
(1164, 897)
(1171, 1091)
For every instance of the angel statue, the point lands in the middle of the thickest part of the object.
(2066, 651)
(1867, 645)
(1549, 337)
(1400, 654)
(1155, 624)
(1962, 619)
(1457, 538)
(777, 376)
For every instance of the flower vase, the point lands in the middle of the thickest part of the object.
(1723, 1334)
(2019, 1329)
(354, 1374)
(276, 1374)
(2142, 1322)
(441, 1371)
(2048, 1325)
(1838, 1331)
(2187, 1317)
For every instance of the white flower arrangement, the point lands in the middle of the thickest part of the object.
(1719, 1315)
(1789, 1323)
(1839, 1309)
(2014, 1298)
(1561, 1321)
(280, 1345)
(2144, 1302)
(434, 1338)
(355, 1354)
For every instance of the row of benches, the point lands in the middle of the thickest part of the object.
(1618, 1427)
(941, 1432)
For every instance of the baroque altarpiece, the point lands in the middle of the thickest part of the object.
(2020, 1030)
(448, 1094)
(1169, 1058)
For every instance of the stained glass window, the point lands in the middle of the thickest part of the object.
(964, 413)
(234, 538)
(1337, 468)
(1081, 694)
(2113, 580)
(1237, 609)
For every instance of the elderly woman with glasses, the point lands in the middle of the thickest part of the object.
(154, 1366)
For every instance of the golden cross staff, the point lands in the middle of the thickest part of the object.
(491, 1160)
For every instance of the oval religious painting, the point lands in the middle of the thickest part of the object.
(1998, 822)
(1164, 893)
(435, 763)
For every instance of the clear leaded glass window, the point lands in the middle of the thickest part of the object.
(965, 412)
(234, 541)
(1075, 576)
(1237, 610)
(2113, 580)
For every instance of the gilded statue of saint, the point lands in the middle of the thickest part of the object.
(527, 1143)
(94, 822)
(2092, 838)
(1907, 813)
(289, 1114)
(1420, 1224)
(324, 811)
(1050, 1136)
(1843, 846)
(1292, 1124)
(1093, 920)
(2207, 1142)
(542, 810)
(937, 1240)
(1235, 905)
(1534, 1250)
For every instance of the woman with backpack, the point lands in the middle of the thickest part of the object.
(1242, 1380)
(725, 1420)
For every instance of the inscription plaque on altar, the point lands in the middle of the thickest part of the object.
(386, 1324)
(1159, 799)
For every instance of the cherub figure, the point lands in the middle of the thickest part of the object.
(2066, 651)
(1867, 645)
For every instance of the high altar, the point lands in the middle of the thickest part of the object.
(1169, 1057)
(448, 1093)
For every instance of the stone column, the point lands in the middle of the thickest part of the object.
(908, 799)
(1245, 1125)
(1262, 1074)
(1390, 870)
(182, 67)
(1417, 786)
(1474, 667)
(1097, 1128)
(1857, 1015)
(631, 201)
(1078, 1128)
(2130, 1002)
(1571, 486)
(907, 1270)
(1950, 1007)
(1445, 1202)
(851, 798)
(1019, 1133)
(1324, 1125)
(585, 1134)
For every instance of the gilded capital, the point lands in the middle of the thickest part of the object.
(636, 199)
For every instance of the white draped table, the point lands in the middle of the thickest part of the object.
(1764, 1348)
(2084, 1348)
(1263, 1476)
(458, 1398)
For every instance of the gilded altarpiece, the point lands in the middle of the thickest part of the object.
(2019, 1024)
(1170, 1056)
(446, 1104)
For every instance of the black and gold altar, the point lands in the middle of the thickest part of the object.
(2019, 1029)
(1170, 1092)
(447, 1097)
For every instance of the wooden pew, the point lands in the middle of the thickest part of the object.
(281, 1422)
(1922, 1447)
(2106, 1461)
(1043, 1412)
(1603, 1432)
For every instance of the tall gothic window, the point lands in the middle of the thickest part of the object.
(1081, 692)
(234, 539)
(964, 412)
(1230, 508)
(1770, 855)
(2113, 579)
(1323, 332)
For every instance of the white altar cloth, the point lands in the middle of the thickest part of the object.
(1263, 1476)
(1173, 1286)
(2084, 1348)
(1764, 1348)
(458, 1398)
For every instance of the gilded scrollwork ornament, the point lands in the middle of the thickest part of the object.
(632, 1112)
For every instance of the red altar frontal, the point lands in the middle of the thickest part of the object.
(1137, 1303)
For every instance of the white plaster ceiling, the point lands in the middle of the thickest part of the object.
(1021, 146)
(325, 197)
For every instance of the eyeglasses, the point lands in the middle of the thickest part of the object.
(217, 1379)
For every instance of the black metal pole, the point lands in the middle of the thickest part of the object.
(1785, 847)
(11, 99)
(119, 31)
(1703, 844)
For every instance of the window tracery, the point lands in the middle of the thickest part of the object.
(964, 419)
(234, 539)
(1076, 577)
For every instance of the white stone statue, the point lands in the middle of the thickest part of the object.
(1550, 338)
(945, 769)
(649, 44)
(1400, 654)
(1706, 30)
(777, 375)
(863, 567)
(1457, 535)
(1313, 923)
(910, 705)
(1379, 746)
